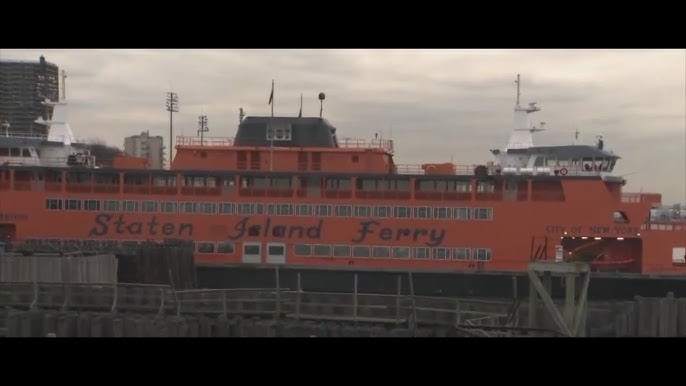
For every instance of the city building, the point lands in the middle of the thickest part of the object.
(23, 86)
(146, 146)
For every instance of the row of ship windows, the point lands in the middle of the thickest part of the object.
(271, 209)
(302, 250)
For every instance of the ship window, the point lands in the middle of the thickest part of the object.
(246, 208)
(170, 207)
(323, 210)
(25, 153)
(426, 185)
(356, 158)
(678, 255)
(226, 247)
(441, 253)
(129, 246)
(111, 205)
(279, 132)
(381, 252)
(341, 250)
(305, 210)
(462, 213)
(302, 249)
(322, 250)
(14, 152)
(251, 249)
(421, 253)
(382, 211)
(538, 161)
(284, 210)
(422, 212)
(205, 247)
(620, 217)
(482, 254)
(208, 208)
(91, 205)
(276, 250)
(442, 212)
(360, 251)
(485, 187)
(483, 213)
(401, 212)
(72, 204)
(53, 204)
(461, 254)
(401, 252)
(281, 183)
(71, 245)
(363, 211)
(189, 207)
(150, 206)
(130, 206)
(338, 184)
(551, 162)
(343, 210)
(4, 152)
(400, 185)
(226, 207)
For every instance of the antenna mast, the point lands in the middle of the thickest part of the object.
(64, 85)
(202, 127)
(518, 93)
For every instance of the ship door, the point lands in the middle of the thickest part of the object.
(276, 253)
(252, 253)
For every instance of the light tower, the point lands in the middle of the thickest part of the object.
(173, 107)
(202, 127)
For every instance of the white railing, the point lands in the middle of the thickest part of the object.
(206, 141)
(360, 143)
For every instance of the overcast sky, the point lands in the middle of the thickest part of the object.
(436, 104)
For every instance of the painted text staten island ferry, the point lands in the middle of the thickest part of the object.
(288, 191)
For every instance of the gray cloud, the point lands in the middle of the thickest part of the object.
(437, 103)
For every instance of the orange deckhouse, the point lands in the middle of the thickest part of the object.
(289, 191)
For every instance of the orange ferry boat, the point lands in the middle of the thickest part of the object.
(288, 191)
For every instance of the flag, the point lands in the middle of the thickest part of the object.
(271, 95)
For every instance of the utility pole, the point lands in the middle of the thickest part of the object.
(202, 127)
(173, 107)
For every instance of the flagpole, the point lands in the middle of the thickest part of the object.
(271, 141)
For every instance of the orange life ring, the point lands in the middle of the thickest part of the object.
(563, 171)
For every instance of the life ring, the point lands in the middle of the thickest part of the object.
(563, 171)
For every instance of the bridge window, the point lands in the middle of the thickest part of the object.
(401, 252)
(483, 213)
(150, 206)
(341, 250)
(208, 207)
(421, 253)
(322, 250)
(302, 249)
(442, 212)
(441, 253)
(53, 204)
(381, 252)
(304, 210)
(93, 205)
(72, 204)
(422, 212)
(363, 211)
(226, 247)
(482, 254)
(401, 212)
(130, 206)
(461, 254)
(361, 251)
(226, 207)
(4, 152)
(170, 207)
(382, 211)
(205, 247)
(343, 210)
